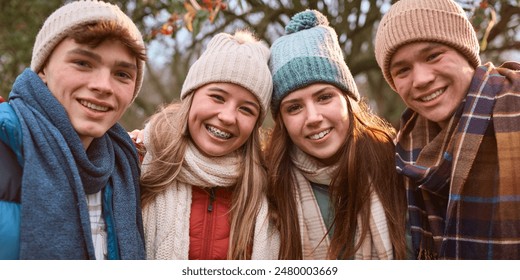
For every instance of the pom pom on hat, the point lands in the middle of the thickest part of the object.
(305, 20)
(309, 53)
(240, 59)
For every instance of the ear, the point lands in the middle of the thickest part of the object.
(42, 75)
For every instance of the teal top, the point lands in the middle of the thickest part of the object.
(321, 193)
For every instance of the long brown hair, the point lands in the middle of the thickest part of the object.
(367, 159)
(169, 136)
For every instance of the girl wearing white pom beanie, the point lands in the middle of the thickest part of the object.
(203, 182)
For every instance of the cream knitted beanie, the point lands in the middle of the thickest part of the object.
(58, 25)
(408, 21)
(239, 59)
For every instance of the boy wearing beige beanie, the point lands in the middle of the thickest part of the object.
(458, 139)
(71, 189)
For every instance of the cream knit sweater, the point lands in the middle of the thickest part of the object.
(167, 218)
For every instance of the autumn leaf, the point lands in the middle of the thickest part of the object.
(191, 12)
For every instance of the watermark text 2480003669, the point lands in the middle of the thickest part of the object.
(276, 271)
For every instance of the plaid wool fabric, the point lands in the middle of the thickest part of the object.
(463, 186)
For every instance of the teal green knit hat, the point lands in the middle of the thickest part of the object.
(308, 53)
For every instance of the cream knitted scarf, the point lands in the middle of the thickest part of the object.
(315, 240)
(167, 218)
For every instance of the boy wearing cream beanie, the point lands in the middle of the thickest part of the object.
(457, 140)
(72, 189)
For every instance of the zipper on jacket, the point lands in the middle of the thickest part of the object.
(207, 247)
(211, 199)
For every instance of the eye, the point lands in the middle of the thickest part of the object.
(81, 63)
(124, 75)
(324, 97)
(217, 98)
(400, 71)
(433, 56)
(293, 108)
(248, 110)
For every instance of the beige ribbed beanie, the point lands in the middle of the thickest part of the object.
(59, 24)
(239, 59)
(408, 21)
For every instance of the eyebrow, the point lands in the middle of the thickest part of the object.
(218, 89)
(97, 58)
(318, 92)
(425, 49)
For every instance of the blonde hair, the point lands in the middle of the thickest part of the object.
(169, 137)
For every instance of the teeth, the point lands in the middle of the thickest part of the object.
(219, 133)
(319, 135)
(94, 106)
(432, 96)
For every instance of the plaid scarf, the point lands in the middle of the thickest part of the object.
(462, 187)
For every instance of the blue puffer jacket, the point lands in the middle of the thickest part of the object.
(11, 164)
(10, 182)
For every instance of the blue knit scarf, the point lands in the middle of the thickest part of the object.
(58, 173)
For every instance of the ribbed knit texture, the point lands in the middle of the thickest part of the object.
(309, 53)
(167, 217)
(58, 25)
(407, 21)
(239, 59)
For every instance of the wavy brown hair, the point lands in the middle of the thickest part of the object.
(366, 159)
(93, 34)
(169, 137)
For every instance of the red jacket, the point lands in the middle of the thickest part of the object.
(210, 223)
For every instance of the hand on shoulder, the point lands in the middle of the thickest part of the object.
(137, 136)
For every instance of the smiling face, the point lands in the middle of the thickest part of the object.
(94, 85)
(431, 78)
(222, 117)
(317, 120)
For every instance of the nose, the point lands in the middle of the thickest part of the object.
(102, 82)
(314, 115)
(228, 115)
(422, 76)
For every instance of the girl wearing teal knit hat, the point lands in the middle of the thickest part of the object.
(332, 178)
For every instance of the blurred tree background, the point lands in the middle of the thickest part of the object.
(177, 31)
